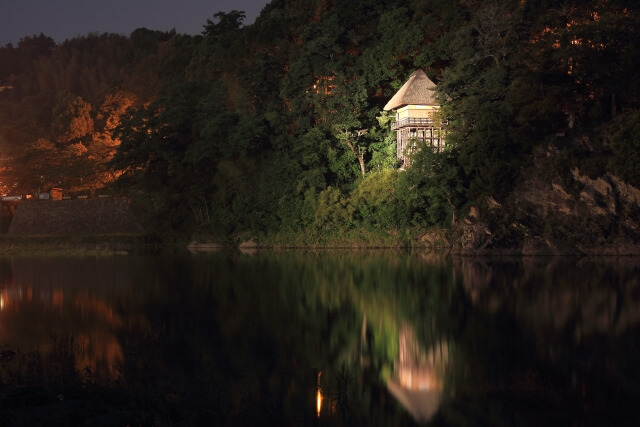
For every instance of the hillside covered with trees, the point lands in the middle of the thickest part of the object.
(277, 129)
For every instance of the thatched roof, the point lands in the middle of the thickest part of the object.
(418, 90)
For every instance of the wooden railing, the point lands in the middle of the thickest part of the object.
(416, 122)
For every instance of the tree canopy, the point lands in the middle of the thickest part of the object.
(277, 127)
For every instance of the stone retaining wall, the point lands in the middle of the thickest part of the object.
(89, 216)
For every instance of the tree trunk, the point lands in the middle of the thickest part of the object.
(358, 154)
(361, 161)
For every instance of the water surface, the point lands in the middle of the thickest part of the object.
(319, 338)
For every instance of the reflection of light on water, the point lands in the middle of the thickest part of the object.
(92, 343)
(96, 307)
(57, 299)
(419, 369)
(420, 373)
(415, 380)
(100, 353)
(319, 396)
(319, 402)
(100, 347)
(14, 296)
(9, 297)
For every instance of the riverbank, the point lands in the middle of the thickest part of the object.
(347, 239)
(81, 244)
(469, 238)
(103, 245)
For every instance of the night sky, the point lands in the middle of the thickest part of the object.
(65, 19)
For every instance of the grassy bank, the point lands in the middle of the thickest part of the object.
(360, 238)
(109, 244)
(77, 244)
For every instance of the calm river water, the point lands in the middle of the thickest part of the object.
(298, 338)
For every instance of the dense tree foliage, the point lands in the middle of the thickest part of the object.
(61, 104)
(278, 128)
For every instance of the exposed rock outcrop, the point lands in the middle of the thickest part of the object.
(582, 215)
(435, 239)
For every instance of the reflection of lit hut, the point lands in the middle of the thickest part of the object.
(421, 404)
(419, 381)
(415, 106)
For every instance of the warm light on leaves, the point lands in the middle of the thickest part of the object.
(323, 85)
(76, 150)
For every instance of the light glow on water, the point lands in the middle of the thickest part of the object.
(319, 396)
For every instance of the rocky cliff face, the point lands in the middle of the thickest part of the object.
(578, 215)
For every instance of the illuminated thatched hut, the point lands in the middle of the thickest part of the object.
(415, 107)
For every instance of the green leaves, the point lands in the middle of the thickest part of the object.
(278, 125)
(227, 23)
(376, 202)
(434, 187)
(332, 210)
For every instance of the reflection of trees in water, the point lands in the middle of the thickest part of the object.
(580, 298)
(45, 297)
(480, 306)
(555, 334)
(333, 391)
(62, 361)
(358, 302)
